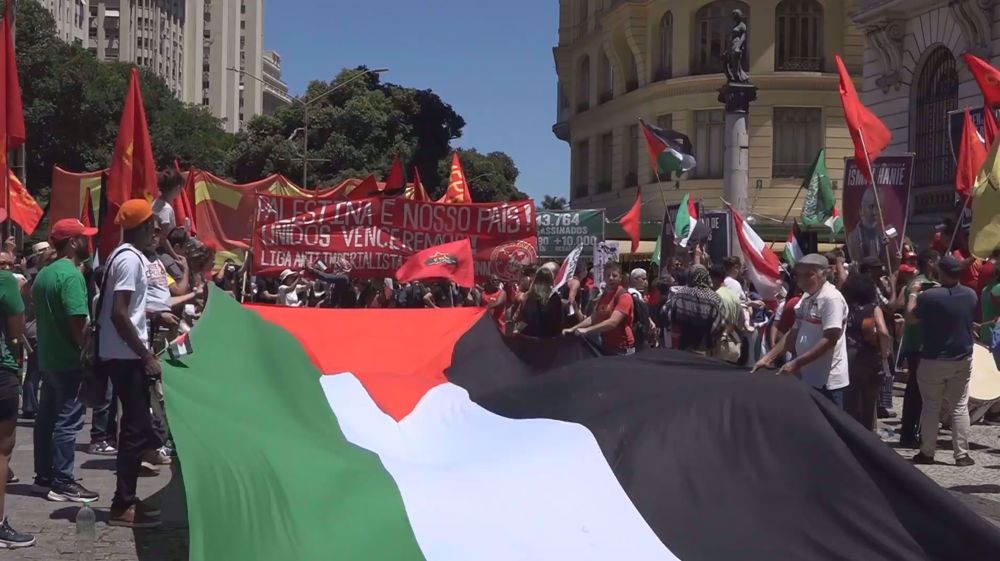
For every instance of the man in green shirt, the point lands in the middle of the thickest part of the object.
(61, 307)
(11, 336)
(927, 263)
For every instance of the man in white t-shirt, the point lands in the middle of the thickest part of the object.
(734, 268)
(170, 183)
(123, 348)
(817, 338)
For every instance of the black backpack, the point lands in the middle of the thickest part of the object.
(640, 321)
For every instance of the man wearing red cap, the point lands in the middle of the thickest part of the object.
(60, 294)
(123, 349)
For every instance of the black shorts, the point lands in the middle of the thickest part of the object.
(8, 409)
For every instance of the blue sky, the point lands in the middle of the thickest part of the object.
(492, 61)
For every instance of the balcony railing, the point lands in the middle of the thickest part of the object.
(800, 64)
(581, 191)
(604, 186)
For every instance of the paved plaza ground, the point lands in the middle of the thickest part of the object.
(52, 523)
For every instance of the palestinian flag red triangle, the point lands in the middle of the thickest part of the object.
(669, 151)
(315, 437)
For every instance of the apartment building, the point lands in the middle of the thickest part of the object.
(619, 60)
(210, 52)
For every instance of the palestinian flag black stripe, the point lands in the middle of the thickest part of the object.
(320, 438)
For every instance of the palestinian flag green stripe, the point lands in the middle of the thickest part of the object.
(263, 405)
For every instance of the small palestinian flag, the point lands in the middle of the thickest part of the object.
(180, 347)
(322, 439)
(669, 151)
(793, 249)
(686, 221)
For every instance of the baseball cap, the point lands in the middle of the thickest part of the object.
(813, 260)
(133, 213)
(65, 229)
(638, 273)
(950, 265)
(285, 274)
(39, 247)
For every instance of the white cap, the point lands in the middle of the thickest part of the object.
(40, 247)
(638, 272)
(285, 274)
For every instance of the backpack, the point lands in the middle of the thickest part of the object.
(861, 332)
(640, 321)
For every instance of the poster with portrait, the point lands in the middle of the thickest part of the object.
(868, 234)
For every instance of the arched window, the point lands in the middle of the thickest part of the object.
(798, 33)
(583, 86)
(935, 92)
(665, 68)
(605, 78)
(632, 76)
(711, 34)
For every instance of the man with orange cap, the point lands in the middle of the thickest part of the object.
(123, 348)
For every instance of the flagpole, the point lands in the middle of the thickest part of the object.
(253, 233)
(958, 223)
(790, 208)
(878, 202)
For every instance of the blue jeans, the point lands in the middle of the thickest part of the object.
(32, 379)
(836, 396)
(59, 420)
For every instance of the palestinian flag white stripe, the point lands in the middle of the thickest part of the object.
(762, 265)
(687, 220)
(559, 499)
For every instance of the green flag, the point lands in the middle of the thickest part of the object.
(819, 208)
(655, 261)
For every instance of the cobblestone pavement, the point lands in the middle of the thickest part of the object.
(52, 523)
(978, 486)
(53, 526)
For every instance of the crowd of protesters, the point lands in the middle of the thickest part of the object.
(77, 337)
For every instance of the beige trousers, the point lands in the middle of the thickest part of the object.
(944, 381)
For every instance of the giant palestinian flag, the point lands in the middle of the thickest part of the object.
(303, 437)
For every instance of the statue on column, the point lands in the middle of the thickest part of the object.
(734, 58)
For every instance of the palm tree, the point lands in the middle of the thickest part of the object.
(554, 203)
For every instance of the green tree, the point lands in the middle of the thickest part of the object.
(354, 131)
(554, 203)
(73, 104)
(492, 177)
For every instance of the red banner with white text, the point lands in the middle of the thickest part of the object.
(376, 235)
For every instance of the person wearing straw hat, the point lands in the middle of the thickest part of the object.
(125, 355)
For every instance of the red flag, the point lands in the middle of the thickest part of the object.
(630, 222)
(133, 167)
(987, 77)
(367, 188)
(184, 203)
(458, 188)
(24, 210)
(971, 156)
(415, 191)
(450, 261)
(397, 176)
(990, 126)
(12, 115)
(869, 133)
